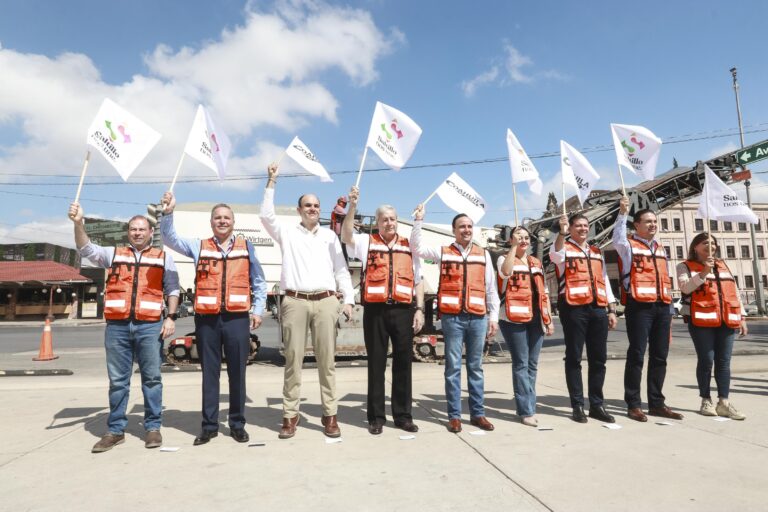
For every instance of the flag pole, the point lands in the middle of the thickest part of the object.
(82, 175)
(426, 201)
(514, 200)
(563, 184)
(360, 172)
(176, 174)
(621, 177)
(280, 159)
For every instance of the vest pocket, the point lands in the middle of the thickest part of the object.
(705, 313)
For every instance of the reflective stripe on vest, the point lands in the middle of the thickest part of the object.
(518, 293)
(222, 279)
(716, 301)
(582, 281)
(462, 281)
(649, 279)
(388, 275)
(135, 286)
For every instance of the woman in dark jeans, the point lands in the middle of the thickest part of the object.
(524, 317)
(713, 311)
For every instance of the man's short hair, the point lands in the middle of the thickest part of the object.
(302, 196)
(383, 208)
(453, 222)
(639, 214)
(222, 205)
(577, 216)
(140, 217)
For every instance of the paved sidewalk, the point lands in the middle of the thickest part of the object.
(50, 423)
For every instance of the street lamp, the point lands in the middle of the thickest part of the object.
(755, 264)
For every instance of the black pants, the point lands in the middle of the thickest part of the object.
(584, 325)
(382, 322)
(231, 331)
(648, 324)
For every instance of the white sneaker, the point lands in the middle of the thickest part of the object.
(729, 411)
(707, 407)
(530, 421)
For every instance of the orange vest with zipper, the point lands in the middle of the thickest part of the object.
(716, 301)
(648, 278)
(518, 294)
(582, 281)
(222, 282)
(135, 286)
(462, 281)
(388, 272)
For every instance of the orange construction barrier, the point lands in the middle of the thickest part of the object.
(46, 344)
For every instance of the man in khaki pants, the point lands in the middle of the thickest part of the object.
(313, 269)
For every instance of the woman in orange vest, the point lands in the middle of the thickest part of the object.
(713, 311)
(524, 318)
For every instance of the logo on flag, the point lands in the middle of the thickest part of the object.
(393, 135)
(109, 134)
(460, 197)
(637, 149)
(577, 171)
(206, 144)
(300, 153)
(521, 166)
(720, 202)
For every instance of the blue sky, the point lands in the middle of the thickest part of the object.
(465, 71)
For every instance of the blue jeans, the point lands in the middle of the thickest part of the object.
(459, 330)
(713, 345)
(524, 342)
(126, 341)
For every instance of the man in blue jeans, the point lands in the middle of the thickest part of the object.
(139, 276)
(469, 308)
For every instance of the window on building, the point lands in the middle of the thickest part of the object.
(742, 226)
(745, 251)
(727, 226)
(730, 252)
(664, 225)
(757, 226)
(668, 251)
(679, 252)
(765, 281)
(676, 224)
(672, 282)
(698, 224)
(760, 251)
(713, 226)
(736, 279)
(749, 282)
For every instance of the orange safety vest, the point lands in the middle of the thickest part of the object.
(716, 301)
(222, 279)
(389, 271)
(518, 294)
(583, 282)
(462, 281)
(648, 278)
(135, 285)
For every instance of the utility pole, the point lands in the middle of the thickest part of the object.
(758, 278)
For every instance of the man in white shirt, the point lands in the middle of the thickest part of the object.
(469, 308)
(313, 269)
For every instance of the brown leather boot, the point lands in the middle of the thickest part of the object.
(288, 430)
(331, 427)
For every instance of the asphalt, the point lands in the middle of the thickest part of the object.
(49, 424)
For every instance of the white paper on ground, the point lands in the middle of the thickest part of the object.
(667, 423)
(329, 440)
(546, 428)
(406, 437)
(721, 418)
(478, 432)
(611, 426)
(258, 443)
(169, 448)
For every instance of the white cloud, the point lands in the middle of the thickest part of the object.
(512, 68)
(728, 147)
(52, 231)
(267, 72)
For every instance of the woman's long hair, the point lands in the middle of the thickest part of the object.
(699, 239)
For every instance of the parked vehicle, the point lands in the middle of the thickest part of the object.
(185, 309)
(678, 305)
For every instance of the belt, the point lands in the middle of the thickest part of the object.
(309, 296)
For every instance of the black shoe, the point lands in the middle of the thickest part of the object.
(599, 413)
(407, 425)
(578, 414)
(375, 428)
(205, 436)
(239, 435)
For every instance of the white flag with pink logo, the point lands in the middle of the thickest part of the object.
(207, 143)
(719, 201)
(637, 149)
(122, 138)
(393, 136)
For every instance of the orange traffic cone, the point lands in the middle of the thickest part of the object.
(46, 344)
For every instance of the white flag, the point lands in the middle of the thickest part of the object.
(207, 144)
(637, 149)
(123, 139)
(460, 197)
(521, 166)
(577, 171)
(393, 135)
(718, 201)
(300, 153)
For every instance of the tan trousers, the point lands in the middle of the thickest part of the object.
(320, 316)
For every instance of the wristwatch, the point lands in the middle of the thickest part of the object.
(173, 316)
(419, 308)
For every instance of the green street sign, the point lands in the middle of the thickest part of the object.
(752, 153)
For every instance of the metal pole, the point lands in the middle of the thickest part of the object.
(757, 275)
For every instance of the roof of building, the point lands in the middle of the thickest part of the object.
(20, 272)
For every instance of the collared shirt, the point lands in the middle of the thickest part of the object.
(624, 249)
(190, 247)
(436, 253)
(103, 256)
(360, 251)
(558, 258)
(312, 260)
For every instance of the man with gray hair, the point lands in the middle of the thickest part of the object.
(390, 282)
(230, 295)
